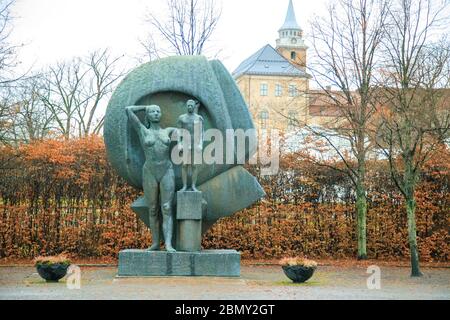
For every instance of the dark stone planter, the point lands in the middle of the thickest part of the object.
(298, 274)
(52, 272)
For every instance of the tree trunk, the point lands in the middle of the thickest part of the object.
(361, 208)
(410, 179)
(361, 200)
(412, 236)
(67, 130)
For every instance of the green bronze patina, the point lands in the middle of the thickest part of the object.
(169, 83)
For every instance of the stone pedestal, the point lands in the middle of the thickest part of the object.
(212, 263)
(189, 217)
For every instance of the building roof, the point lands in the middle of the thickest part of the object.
(268, 62)
(291, 21)
(322, 105)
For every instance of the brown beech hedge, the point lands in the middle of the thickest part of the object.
(60, 196)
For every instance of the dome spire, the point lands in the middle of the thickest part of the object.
(291, 20)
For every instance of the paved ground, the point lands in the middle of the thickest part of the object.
(256, 283)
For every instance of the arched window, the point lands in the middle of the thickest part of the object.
(293, 55)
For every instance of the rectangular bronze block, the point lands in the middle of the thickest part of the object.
(189, 226)
(213, 263)
(189, 235)
(189, 205)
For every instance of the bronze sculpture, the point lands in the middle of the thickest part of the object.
(225, 187)
(157, 173)
(192, 125)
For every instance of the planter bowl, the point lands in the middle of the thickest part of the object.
(298, 274)
(52, 272)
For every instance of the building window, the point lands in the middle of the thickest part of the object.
(264, 89)
(293, 90)
(263, 119)
(293, 55)
(278, 90)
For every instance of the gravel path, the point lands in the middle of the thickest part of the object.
(256, 283)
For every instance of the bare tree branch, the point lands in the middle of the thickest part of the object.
(186, 30)
(74, 91)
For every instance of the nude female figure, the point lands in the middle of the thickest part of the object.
(157, 173)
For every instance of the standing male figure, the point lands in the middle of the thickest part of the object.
(190, 142)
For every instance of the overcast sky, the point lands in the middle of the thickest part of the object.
(53, 30)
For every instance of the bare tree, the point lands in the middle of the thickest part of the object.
(73, 91)
(6, 115)
(103, 75)
(62, 86)
(186, 30)
(346, 43)
(416, 119)
(8, 60)
(8, 57)
(31, 119)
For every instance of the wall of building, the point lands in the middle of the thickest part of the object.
(272, 111)
(300, 59)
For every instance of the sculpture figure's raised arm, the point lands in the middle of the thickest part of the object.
(136, 123)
